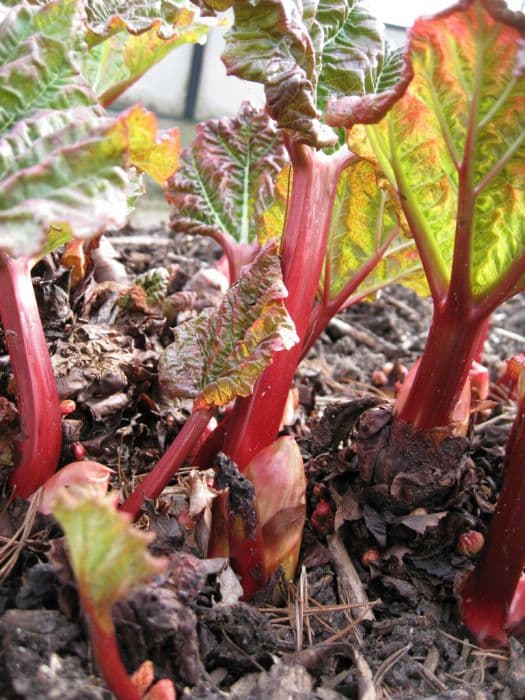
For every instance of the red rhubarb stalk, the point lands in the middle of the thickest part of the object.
(37, 396)
(453, 343)
(169, 463)
(492, 595)
(315, 178)
(109, 662)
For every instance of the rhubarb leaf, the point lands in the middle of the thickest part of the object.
(61, 160)
(220, 354)
(108, 555)
(226, 177)
(456, 143)
(107, 17)
(156, 154)
(127, 40)
(368, 244)
(321, 64)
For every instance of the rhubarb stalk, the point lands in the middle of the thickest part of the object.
(109, 662)
(37, 396)
(169, 463)
(315, 178)
(492, 602)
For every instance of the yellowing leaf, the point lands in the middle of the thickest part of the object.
(153, 153)
(368, 244)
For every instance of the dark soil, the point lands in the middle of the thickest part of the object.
(297, 641)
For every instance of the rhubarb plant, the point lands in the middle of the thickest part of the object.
(63, 173)
(214, 359)
(324, 69)
(335, 216)
(109, 558)
(454, 146)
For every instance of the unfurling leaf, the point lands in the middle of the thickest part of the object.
(225, 180)
(455, 144)
(93, 477)
(220, 354)
(108, 555)
(61, 161)
(277, 474)
(322, 64)
(156, 154)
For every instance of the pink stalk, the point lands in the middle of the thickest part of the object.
(492, 596)
(37, 396)
(169, 463)
(304, 243)
(109, 662)
(453, 343)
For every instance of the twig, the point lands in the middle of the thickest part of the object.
(389, 662)
(365, 680)
(509, 334)
(351, 589)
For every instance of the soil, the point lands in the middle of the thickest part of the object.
(308, 639)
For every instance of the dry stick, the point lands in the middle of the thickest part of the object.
(299, 610)
(365, 680)
(389, 662)
(431, 678)
(350, 587)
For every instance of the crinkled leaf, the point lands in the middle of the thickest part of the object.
(226, 177)
(156, 154)
(311, 57)
(220, 354)
(463, 112)
(106, 17)
(382, 86)
(108, 555)
(120, 60)
(61, 160)
(368, 236)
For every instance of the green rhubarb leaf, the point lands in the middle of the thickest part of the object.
(321, 64)
(109, 557)
(368, 244)
(455, 144)
(225, 180)
(220, 354)
(61, 161)
(127, 39)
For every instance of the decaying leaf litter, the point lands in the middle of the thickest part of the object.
(413, 648)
